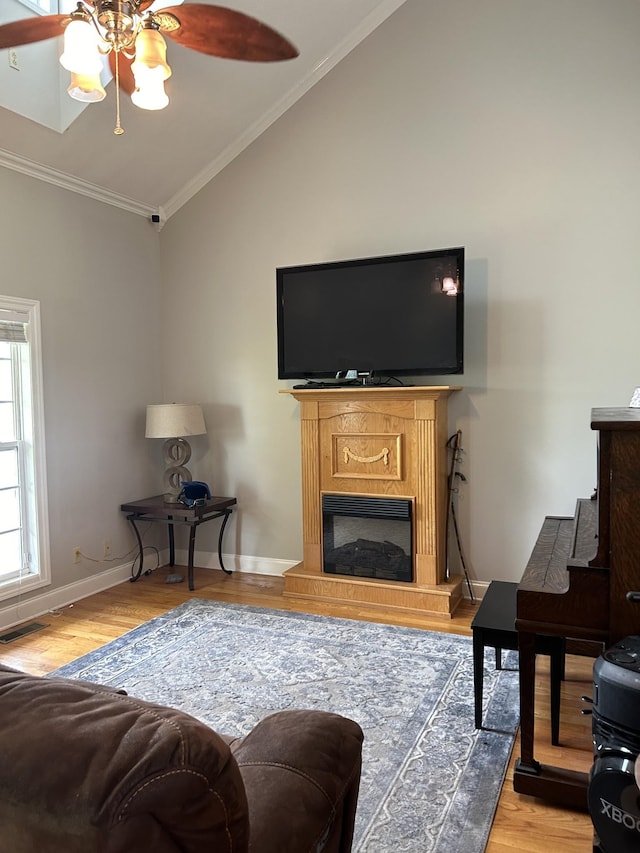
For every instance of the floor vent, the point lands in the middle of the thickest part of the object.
(21, 632)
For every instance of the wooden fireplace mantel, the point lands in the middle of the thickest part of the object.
(377, 441)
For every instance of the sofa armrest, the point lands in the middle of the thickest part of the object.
(62, 680)
(86, 769)
(301, 771)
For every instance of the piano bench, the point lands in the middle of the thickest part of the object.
(494, 625)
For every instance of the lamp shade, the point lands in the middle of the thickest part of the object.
(174, 420)
(88, 89)
(81, 54)
(151, 54)
(149, 93)
(150, 70)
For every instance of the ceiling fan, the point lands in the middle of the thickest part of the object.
(131, 33)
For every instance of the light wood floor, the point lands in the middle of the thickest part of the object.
(521, 823)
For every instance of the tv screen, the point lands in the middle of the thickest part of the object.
(383, 316)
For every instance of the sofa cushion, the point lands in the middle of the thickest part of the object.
(84, 768)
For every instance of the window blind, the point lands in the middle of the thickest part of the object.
(13, 327)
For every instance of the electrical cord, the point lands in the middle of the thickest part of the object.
(137, 558)
(133, 550)
(107, 559)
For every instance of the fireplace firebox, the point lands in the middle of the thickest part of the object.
(368, 537)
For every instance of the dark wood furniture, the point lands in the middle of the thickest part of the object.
(575, 586)
(494, 626)
(156, 509)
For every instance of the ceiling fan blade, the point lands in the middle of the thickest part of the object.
(127, 80)
(224, 32)
(31, 29)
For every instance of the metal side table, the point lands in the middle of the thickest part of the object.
(155, 509)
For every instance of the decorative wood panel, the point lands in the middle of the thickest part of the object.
(367, 455)
(366, 433)
(396, 408)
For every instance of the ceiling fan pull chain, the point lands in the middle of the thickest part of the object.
(118, 130)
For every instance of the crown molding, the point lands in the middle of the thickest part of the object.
(365, 28)
(76, 185)
(161, 214)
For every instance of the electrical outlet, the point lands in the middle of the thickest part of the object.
(77, 555)
(107, 548)
(13, 59)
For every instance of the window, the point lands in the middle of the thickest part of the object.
(47, 7)
(24, 534)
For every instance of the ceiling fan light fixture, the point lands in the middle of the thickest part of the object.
(80, 54)
(149, 93)
(151, 54)
(150, 69)
(122, 28)
(86, 88)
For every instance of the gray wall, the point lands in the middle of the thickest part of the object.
(508, 127)
(95, 271)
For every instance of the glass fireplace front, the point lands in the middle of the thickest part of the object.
(367, 537)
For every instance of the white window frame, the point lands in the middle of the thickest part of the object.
(36, 571)
(43, 7)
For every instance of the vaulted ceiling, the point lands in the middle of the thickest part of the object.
(217, 107)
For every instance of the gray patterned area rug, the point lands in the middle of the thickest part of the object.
(430, 781)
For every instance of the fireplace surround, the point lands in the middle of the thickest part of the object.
(381, 443)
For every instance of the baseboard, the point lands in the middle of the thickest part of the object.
(49, 602)
(270, 566)
(478, 588)
(234, 562)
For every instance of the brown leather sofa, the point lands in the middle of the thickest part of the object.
(86, 769)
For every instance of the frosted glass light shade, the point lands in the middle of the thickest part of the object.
(151, 53)
(150, 70)
(80, 54)
(87, 89)
(149, 93)
(174, 420)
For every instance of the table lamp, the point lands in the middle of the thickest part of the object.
(174, 421)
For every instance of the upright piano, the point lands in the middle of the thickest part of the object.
(575, 586)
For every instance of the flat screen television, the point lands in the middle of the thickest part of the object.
(382, 316)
